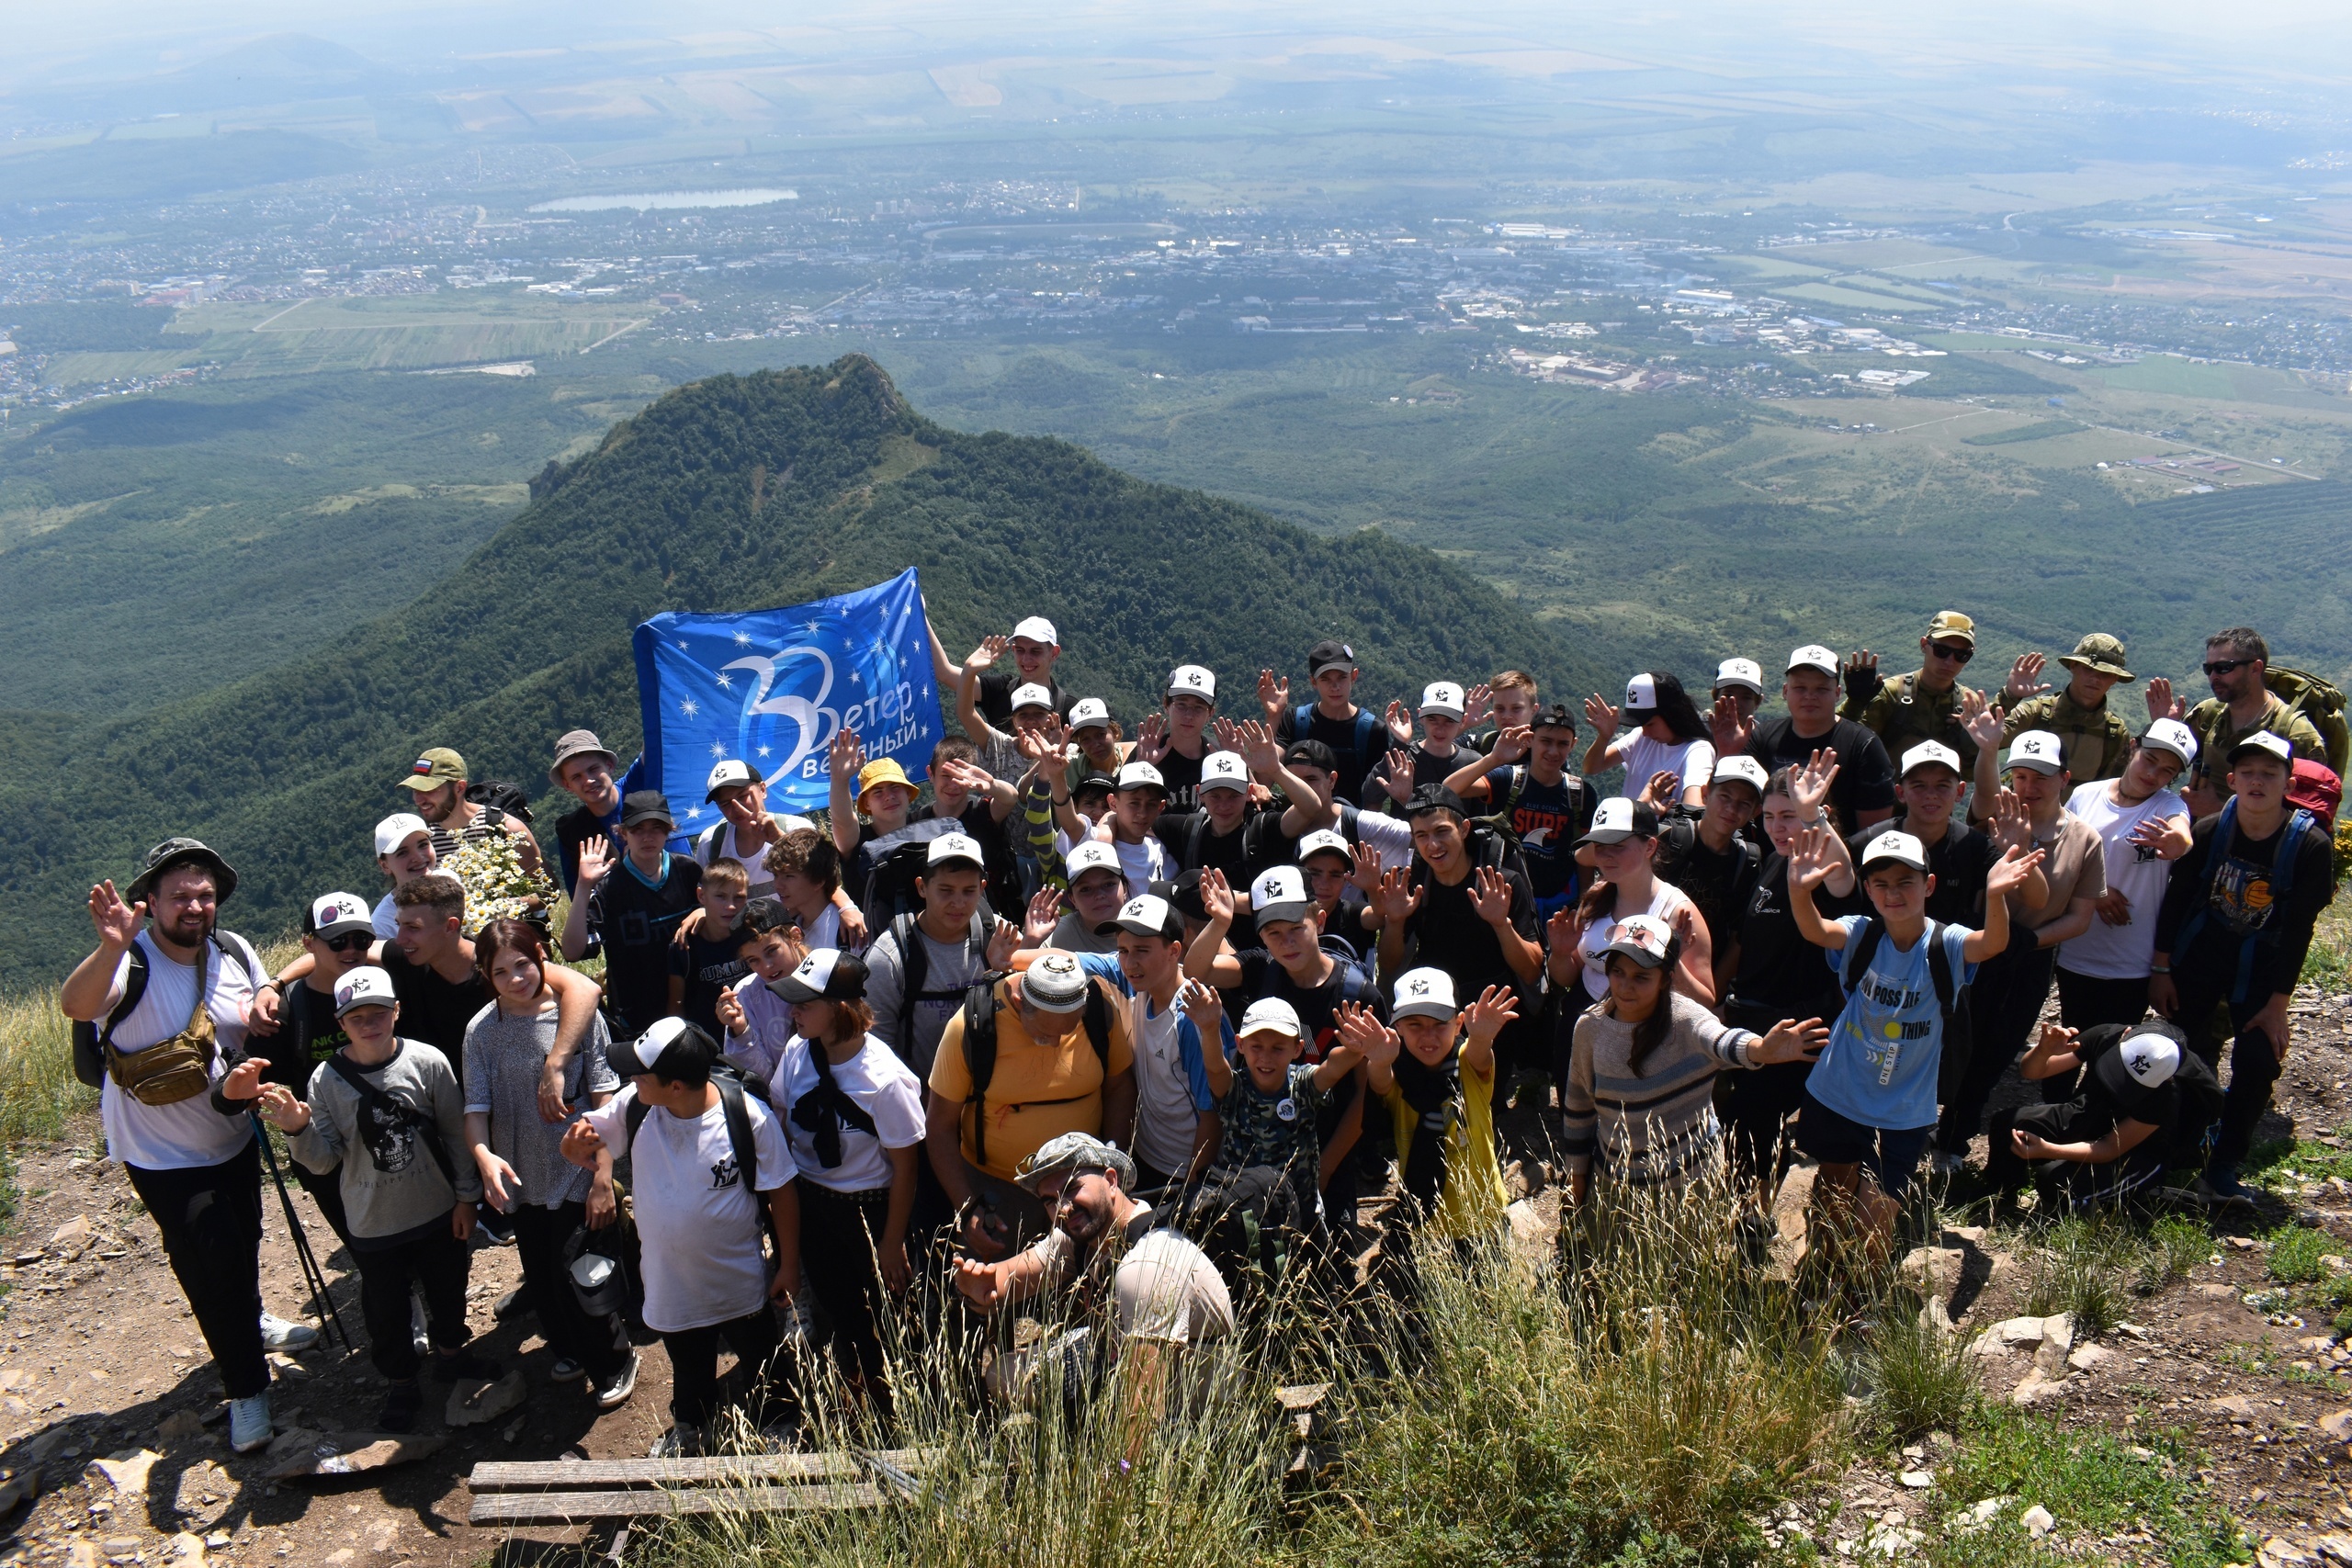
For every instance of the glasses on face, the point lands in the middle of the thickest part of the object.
(349, 942)
(1959, 654)
(2223, 666)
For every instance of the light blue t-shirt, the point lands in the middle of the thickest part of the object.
(1879, 1067)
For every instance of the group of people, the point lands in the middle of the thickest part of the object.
(1044, 1031)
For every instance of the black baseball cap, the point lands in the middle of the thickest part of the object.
(1329, 654)
(1555, 717)
(646, 805)
(1183, 894)
(1314, 753)
(1430, 797)
(671, 1049)
(1092, 783)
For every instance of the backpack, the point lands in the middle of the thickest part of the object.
(883, 873)
(2190, 1137)
(2318, 700)
(1498, 820)
(979, 1046)
(1678, 835)
(94, 1038)
(734, 1087)
(1951, 999)
(1248, 1220)
(914, 967)
(2317, 789)
(1369, 743)
(2282, 877)
(399, 1112)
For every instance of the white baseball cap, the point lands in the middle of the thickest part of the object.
(1931, 754)
(1901, 847)
(1322, 839)
(1280, 893)
(1032, 695)
(1139, 775)
(2151, 1053)
(949, 847)
(1740, 672)
(1036, 629)
(365, 987)
(1224, 770)
(1619, 818)
(1641, 694)
(1642, 939)
(1443, 696)
(398, 830)
(1812, 656)
(1191, 680)
(337, 913)
(729, 774)
(2269, 745)
(1090, 713)
(1271, 1014)
(1093, 855)
(2038, 749)
(1145, 914)
(2171, 735)
(1742, 770)
(1423, 993)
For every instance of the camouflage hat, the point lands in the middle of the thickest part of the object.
(1952, 623)
(2100, 654)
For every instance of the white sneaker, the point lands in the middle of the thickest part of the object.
(277, 1333)
(680, 1441)
(249, 1424)
(612, 1391)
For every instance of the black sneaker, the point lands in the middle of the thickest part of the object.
(464, 1364)
(401, 1405)
(614, 1389)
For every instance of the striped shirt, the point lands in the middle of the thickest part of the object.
(1656, 1127)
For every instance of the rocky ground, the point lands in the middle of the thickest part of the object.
(113, 1426)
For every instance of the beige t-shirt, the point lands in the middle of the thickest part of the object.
(2075, 862)
(1165, 1287)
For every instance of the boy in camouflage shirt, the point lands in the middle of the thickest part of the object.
(1269, 1107)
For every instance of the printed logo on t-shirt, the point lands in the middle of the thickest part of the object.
(390, 1134)
(2242, 896)
(725, 1173)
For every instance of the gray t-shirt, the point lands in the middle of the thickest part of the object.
(1072, 935)
(952, 967)
(503, 1057)
(391, 1183)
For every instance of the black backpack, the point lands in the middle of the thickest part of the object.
(2189, 1139)
(1951, 999)
(1248, 1220)
(980, 1047)
(94, 1038)
(883, 873)
(914, 968)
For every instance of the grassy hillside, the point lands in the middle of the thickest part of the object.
(285, 771)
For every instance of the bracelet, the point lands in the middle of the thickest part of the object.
(2159, 968)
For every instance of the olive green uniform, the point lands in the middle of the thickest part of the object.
(1904, 712)
(2095, 740)
(2216, 735)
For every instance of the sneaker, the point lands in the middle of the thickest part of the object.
(615, 1387)
(402, 1402)
(566, 1369)
(494, 1228)
(2222, 1185)
(277, 1333)
(249, 1424)
(680, 1441)
(514, 1303)
(463, 1364)
(1947, 1166)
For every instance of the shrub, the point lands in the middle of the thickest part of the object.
(2295, 1253)
(1921, 1377)
(2080, 1268)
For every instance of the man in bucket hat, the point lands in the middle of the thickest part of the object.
(2095, 740)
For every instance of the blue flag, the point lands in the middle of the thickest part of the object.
(773, 688)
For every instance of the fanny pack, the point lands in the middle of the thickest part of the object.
(174, 1070)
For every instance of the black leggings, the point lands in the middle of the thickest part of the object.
(694, 1369)
(839, 1233)
(542, 1236)
(2254, 1061)
(211, 1218)
(437, 1263)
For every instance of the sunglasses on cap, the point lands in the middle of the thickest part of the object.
(348, 941)
(2223, 666)
(1958, 653)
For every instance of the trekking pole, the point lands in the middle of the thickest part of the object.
(321, 1304)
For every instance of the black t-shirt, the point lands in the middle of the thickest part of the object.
(1549, 820)
(1181, 775)
(636, 921)
(1719, 882)
(1780, 973)
(1355, 744)
(2096, 1110)
(997, 687)
(575, 827)
(708, 967)
(308, 1033)
(1446, 933)
(1865, 779)
(1960, 861)
(1427, 769)
(2240, 899)
(435, 1011)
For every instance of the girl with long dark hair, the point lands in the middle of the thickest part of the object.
(1666, 737)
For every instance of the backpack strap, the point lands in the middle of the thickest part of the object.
(94, 1040)
(1859, 951)
(1518, 788)
(1368, 735)
(1940, 972)
(378, 1096)
(2216, 852)
(914, 967)
(739, 1138)
(979, 1057)
(1194, 835)
(633, 1118)
(1098, 1025)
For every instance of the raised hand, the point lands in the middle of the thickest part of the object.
(2024, 678)
(2011, 820)
(2009, 873)
(1790, 1040)
(1490, 896)
(1359, 1030)
(1512, 743)
(119, 923)
(1474, 704)
(1730, 732)
(730, 1009)
(1003, 938)
(1200, 1003)
(991, 648)
(2162, 703)
(243, 1080)
(1601, 714)
(1217, 896)
(1486, 1018)
(1051, 727)
(1400, 722)
(597, 857)
(2057, 1037)
(1663, 790)
(1256, 743)
(1979, 718)
(1397, 776)
(1861, 675)
(1273, 696)
(1152, 738)
(845, 755)
(1365, 877)
(1810, 858)
(1564, 931)
(1396, 897)
(1044, 912)
(1810, 787)
(1228, 733)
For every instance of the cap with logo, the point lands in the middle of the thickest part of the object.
(1900, 849)
(1036, 629)
(398, 830)
(1224, 770)
(1618, 818)
(671, 1049)
(1032, 695)
(1094, 784)
(179, 851)
(1423, 993)
(646, 805)
(2101, 654)
(2171, 735)
(1740, 672)
(1329, 654)
(574, 743)
(731, 773)
(1930, 754)
(365, 987)
(1090, 713)
(1953, 625)
(1192, 680)
(883, 771)
(1742, 770)
(1093, 855)
(1279, 894)
(1147, 914)
(1141, 775)
(1057, 982)
(2142, 1062)
(1442, 697)
(1430, 797)
(1812, 656)
(1270, 1015)
(2039, 750)
(1325, 840)
(335, 914)
(2269, 745)
(826, 975)
(433, 769)
(1643, 940)
(951, 849)
(1641, 696)
(1556, 716)
(1071, 1154)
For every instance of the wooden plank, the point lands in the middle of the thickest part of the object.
(576, 1508)
(1302, 1396)
(574, 1475)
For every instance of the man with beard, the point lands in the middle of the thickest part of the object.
(437, 779)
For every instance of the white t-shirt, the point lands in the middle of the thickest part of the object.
(882, 1086)
(2122, 953)
(696, 1218)
(825, 930)
(1391, 837)
(386, 918)
(1665, 899)
(725, 844)
(1692, 762)
(190, 1133)
(1143, 864)
(1165, 1289)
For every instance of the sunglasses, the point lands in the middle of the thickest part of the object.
(2223, 666)
(350, 940)
(1960, 655)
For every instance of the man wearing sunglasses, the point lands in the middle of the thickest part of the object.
(1923, 705)
(2237, 661)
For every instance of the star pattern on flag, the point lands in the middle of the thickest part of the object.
(767, 750)
(725, 682)
(743, 639)
(719, 749)
(690, 707)
(693, 812)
